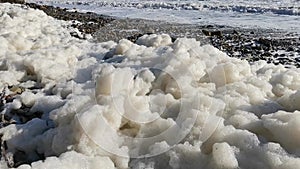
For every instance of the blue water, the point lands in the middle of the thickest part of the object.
(272, 14)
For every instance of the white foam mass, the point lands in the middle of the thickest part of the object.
(154, 104)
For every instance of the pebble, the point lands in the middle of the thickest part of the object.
(88, 23)
(254, 46)
(249, 44)
(13, 1)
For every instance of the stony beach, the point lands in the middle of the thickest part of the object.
(274, 46)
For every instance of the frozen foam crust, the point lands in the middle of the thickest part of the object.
(177, 105)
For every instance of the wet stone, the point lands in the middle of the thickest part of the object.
(249, 44)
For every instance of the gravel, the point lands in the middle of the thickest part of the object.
(86, 23)
(274, 46)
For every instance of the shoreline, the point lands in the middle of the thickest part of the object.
(88, 22)
(274, 46)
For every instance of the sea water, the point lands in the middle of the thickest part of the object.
(270, 14)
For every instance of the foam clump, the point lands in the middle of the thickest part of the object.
(150, 104)
(154, 40)
(281, 124)
(224, 156)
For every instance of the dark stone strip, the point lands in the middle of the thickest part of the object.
(90, 22)
(13, 1)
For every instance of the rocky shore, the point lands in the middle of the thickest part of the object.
(274, 46)
(251, 44)
(13, 1)
(86, 23)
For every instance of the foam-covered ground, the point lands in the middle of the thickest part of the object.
(150, 104)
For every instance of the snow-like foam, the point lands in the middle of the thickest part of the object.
(267, 14)
(155, 104)
(290, 7)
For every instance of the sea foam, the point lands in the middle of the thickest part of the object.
(150, 104)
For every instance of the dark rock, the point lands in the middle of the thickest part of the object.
(206, 33)
(209, 26)
(282, 56)
(173, 38)
(13, 1)
(75, 34)
(290, 49)
(134, 38)
(211, 33)
(235, 32)
(89, 22)
(265, 42)
(216, 33)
